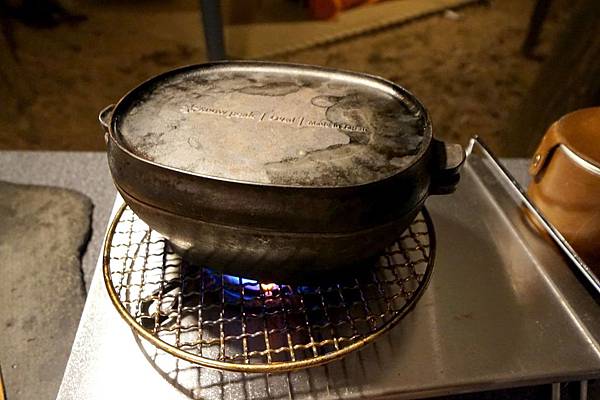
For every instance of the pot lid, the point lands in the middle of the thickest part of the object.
(279, 124)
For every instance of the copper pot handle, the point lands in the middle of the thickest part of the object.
(551, 140)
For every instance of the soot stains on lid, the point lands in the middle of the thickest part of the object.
(291, 125)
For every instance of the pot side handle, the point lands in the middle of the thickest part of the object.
(104, 117)
(448, 158)
(551, 140)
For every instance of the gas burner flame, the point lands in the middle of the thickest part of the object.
(268, 288)
(236, 289)
(234, 286)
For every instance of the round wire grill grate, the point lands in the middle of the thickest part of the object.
(235, 324)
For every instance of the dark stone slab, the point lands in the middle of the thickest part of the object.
(43, 232)
(85, 172)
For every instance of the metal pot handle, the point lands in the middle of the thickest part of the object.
(104, 117)
(551, 140)
(448, 158)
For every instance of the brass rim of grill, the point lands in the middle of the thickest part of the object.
(394, 297)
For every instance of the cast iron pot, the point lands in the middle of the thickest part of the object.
(277, 172)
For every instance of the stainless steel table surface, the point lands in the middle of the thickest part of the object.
(502, 309)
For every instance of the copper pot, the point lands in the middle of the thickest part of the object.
(566, 180)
